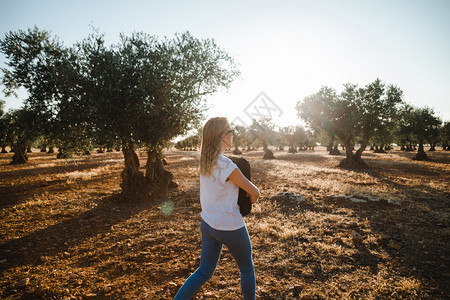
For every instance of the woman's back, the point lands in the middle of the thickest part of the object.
(218, 197)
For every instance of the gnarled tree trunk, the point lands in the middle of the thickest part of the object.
(379, 150)
(236, 151)
(335, 151)
(268, 154)
(19, 156)
(159, 179)
(421, 155)
(354, 160)
(62, 154)
(330, 147)
(133, 181)
(292, 149)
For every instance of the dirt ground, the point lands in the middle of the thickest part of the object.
(378, 233)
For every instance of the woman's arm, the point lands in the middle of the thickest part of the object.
(239, 179)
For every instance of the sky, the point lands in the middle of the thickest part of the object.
(285, 50)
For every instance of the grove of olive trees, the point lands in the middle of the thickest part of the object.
(143, 91)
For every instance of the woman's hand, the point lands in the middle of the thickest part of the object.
(253, 199)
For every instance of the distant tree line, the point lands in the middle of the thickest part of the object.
(145, 91)
(190, 143)
(374, 115)
(263, 133)
(140, 92)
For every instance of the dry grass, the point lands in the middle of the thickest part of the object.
(65, 232)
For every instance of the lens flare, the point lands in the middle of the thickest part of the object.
(167, 208)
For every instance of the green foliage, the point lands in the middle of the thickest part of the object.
(263, 131)
(243, 136)
(141, 91)
(297, 136)
(190, 142)
(20, 131)
(317, 109)
(445, 136)
(147, 91)
(2, 107)
(354, 115)
(420, 124)
(406, 136)
(3, 128)
(47, 70)
(240, 136)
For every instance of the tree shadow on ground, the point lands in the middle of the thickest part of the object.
(16, 193)
(412, 234)
(302, 257)
(22, 192)
(439, 156)
(57, 239)
(42, 171)
(310, 157)
(142, 249)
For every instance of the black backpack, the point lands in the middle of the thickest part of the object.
(245, 206)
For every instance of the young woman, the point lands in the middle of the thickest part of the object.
(222, 223)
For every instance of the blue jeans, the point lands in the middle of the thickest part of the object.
(238, 242)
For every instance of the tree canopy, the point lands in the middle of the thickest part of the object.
(420, 124)
(352, 116)
(142, 91)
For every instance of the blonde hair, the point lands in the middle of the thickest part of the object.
(212, 143)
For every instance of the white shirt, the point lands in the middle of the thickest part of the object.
(219, 197)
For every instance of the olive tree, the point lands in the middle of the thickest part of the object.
(43, 66)
(352, 116)
(239, 137)
(445, 136)
(3, 131)
(263, 131)
(21, 129)
(420, 123)
(147, 91)
(141, 92)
